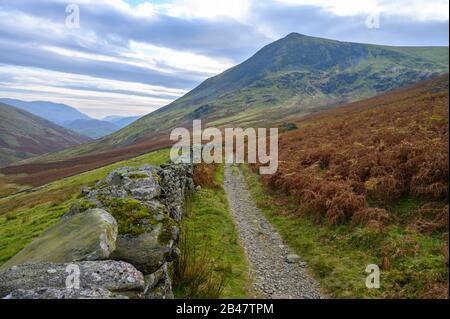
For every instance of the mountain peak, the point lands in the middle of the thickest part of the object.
(296, 35)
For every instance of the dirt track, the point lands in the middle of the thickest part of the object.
(272, 275)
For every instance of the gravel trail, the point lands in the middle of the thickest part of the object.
(272, 274)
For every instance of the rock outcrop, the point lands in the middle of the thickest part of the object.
(121, 236)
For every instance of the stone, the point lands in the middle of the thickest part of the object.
(176, 183)
(162, 291)
(88, 236)
(292, 258)
(63, 293)
(140, 183)
(110, 275)
(152, 280)
(158, 285)
(145, 251)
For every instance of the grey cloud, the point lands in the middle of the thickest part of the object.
(222, 37)
(22, 55)
(108, 31)
(314, 21)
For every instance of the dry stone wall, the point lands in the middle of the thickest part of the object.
(118, 241)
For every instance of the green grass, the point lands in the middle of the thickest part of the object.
(25, 216)
(337, 256)
(213, 231)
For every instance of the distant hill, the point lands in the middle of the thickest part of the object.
(92, 128)
(121, 121)
(54, 112)
(294, 76)
(24, 135)
(68, 117)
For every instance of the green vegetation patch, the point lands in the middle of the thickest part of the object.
(86, 205)
(166, 234)
(208, 232)
(27, 225)
(133, 217)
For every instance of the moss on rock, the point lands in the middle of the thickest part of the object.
(137, 176)
(85, 205)
(166, 234)
(133, 217)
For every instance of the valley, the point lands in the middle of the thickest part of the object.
(362, 177)
(296, 75)
(24, 135)
(395, 232)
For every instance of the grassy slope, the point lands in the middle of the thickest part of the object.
(25, 216)
(294, 75)
(338, 256)
(214, 231)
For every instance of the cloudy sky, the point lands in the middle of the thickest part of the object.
(130, 57)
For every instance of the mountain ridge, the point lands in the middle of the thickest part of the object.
(57, 113)
(66, 116)
(293, 76)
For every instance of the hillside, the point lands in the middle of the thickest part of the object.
(295, 75)
(341, 71)
(367, 183)
(121, 121)
(24, 135)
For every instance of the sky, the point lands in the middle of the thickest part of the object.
(131, 57)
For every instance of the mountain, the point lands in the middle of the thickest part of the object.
(112, 118)
(91, 127)
(24, 135)
(293, 76)
(121, 121)
(54, 112)
(67, 117)
(45, 169)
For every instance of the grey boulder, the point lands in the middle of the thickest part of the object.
(63, 293)
(88, 236)
(109, 275)
(147, 252)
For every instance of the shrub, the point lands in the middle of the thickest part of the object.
(377, 151)
(205, 176)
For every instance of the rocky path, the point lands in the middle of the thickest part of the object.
(275, 271)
